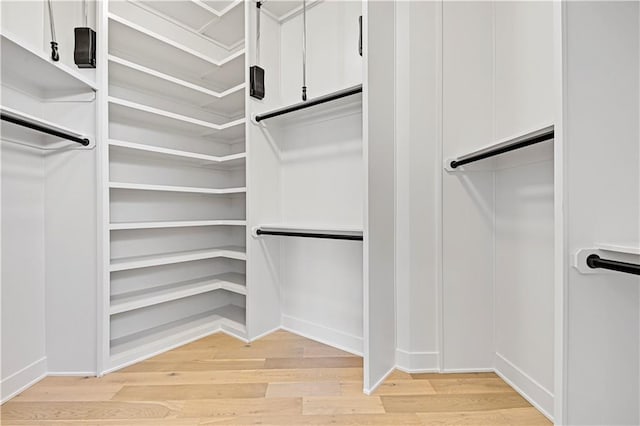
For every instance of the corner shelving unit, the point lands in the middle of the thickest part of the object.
(175, 179)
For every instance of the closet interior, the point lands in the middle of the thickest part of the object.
(423, 184)
(176, 175)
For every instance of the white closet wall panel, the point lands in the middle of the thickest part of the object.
(23, 268)
(524, 200)
(418, 169)
(379, 219)
(332, 40)
(467, 215)
(71, 245)
(263, 178)
(602, 190)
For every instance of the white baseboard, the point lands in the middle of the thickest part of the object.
(375, 386)
(23, 379)
(532, 391)
(468, 370)
(322, 334)
(265, 334)
(417, 362)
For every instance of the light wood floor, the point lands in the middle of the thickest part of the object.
(282, 379)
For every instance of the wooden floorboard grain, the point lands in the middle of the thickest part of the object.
(282, 379)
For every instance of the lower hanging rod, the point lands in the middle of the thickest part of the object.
(517, 144)
(310, 235)
(594, 261)
(43, 129)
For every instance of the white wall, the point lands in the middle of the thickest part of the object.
(418, 168)
(602, 191)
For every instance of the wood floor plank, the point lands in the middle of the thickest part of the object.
(197, 365)
(473, 385)
(342, 405)
(391, 387)
(446, 403)
(280, 390)
(186, 392)
(325, 362)
(528, 416)
(85, 411)
(242, 407)
(46, 392)
(448, 376)
(321, 420)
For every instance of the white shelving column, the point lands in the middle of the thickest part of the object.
(174, 177)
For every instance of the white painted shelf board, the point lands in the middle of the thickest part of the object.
(26, 68)
(168, 335)
(168, 188)
(223, 26)
(36, 139)
(152, 50)
(499, 144)
(627, 248)
(348, 105)
(174, 116)
(175, 224)
(125, 73)
(232, 282)
(230, 161)
(127, 263)
(281, 227)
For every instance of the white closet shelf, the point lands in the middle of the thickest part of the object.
(178, 332)
(125, 73)
(168, 188)
(163, 115)
(626, 248)
(26, 68)
(331, 105)
(232, 160)
(154, 49)
(35, 139)
(224, 27)
(127, 263)
(232, 282)
(175, 224)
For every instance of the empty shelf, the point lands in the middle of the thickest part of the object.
(223, 25)
(152, 50)
(178, 332)
(125, 73)
(27, 69)
(168, 188)
(127, 263)
(175, 224)
(232, 282)
(163, 115)
(232, 160)
(626, 248)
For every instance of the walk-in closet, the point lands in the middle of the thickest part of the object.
(320, 212)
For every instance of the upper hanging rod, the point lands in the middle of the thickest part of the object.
(518, 143)
(311, 235)
(40, 128)
(315, 101)
(594, 261)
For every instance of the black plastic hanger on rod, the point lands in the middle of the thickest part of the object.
(55, 56)
(304, 50)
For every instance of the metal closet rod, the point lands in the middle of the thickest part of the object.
(594, 261)
(43, 129)
(501, 150)
(310, 235)
(315, 101)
